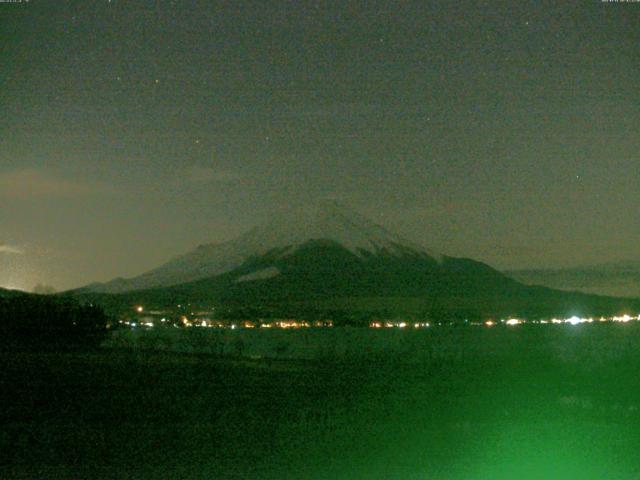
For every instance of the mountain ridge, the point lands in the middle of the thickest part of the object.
(286, 230)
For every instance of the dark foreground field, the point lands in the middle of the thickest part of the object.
(547, 402)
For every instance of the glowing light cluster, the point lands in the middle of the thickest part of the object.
(625, 318)
(397, 324)
(152, 319)
(573, 320)
(577, 320)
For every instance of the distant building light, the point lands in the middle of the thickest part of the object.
(574, 320)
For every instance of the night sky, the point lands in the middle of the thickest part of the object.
(134, 131)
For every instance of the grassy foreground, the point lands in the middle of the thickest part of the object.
(528, 402)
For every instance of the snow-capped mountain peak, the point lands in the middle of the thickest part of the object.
(325, 221)
(286, 231)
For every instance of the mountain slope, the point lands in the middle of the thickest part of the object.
(323, 278)
(285, 232)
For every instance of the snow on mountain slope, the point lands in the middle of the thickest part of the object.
(263, 274)
(286, 231)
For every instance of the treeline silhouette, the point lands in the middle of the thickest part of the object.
(47, 320)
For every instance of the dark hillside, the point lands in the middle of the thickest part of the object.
(49, 321)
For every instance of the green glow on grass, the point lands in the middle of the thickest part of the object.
(556, 450)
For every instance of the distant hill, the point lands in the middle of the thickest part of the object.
(5, 293)
(47, 320)
(617, 279)
(329, 260)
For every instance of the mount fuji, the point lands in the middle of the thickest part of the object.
(285, 233)
(329, 258)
